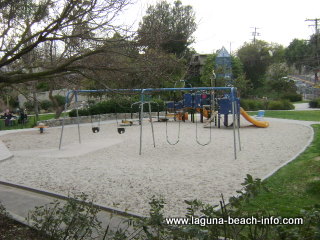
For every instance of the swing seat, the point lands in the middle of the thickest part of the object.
(41, 127)
(95, 129)
(126, 123)
(163, 119)
(121, 130)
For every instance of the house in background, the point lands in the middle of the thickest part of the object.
(196, 65)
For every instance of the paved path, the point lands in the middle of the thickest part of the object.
(5, 154)
(19, 202)
(303, 106)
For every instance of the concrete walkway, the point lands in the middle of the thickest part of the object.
(303, 106)
(19, 202)
(5, 154)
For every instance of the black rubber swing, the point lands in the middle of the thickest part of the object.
(95, 129)
(121, 130)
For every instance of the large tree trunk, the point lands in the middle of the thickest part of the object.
(35, 102)
(58, 108)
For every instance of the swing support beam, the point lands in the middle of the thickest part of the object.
(143, 92)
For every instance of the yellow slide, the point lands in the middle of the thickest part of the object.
(262, 124)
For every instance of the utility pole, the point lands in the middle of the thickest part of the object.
(254, 34)
(316, 26)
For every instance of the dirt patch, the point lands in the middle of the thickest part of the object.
(317, 158)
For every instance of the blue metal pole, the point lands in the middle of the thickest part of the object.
(77, 111)
(141, 118)
(63, 119)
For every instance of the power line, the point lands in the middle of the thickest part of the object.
(316, 24)
(255, 34)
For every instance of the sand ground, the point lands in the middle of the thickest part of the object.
(107, 165)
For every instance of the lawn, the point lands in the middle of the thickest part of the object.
(296, 186)
(312, 115)
(31, 122)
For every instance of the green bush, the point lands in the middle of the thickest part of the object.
(29, 105)
(252, 104)
(45, 105)
(75, 219)
(292, 97)
(259, 104)
(120, 105)
(81, 112)
(314, 103)
(14, 102)
(280, 105)
(60, 99)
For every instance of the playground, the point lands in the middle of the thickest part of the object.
(108, 167)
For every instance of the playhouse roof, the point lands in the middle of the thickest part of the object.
(223, 53)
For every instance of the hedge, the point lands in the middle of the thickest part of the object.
(280, 105)
(259, 104)
(121, 105)
(314, 103)
(292, 97)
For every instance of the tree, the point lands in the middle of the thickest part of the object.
(206, 74)
(278, 84)
(167, 27)
(297, 53)
(239, 78)
(256, 57)
(277, 53)
(314, 59)
(132, 68)
(304, 54)
(79, 30)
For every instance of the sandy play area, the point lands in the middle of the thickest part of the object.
(107, 165)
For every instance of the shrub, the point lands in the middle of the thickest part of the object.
(14, 102)
(258, 104)
(120, 105)
(45, 105)
(60, 99)
(76, 219)
(81, 112)
(314, 103)
(29, 105)
(252, 104)
(280, 105)
(292, 97)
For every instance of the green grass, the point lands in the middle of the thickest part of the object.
(313, 115)
(294, 187)
(31, 122)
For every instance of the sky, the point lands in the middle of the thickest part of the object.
(230, 23)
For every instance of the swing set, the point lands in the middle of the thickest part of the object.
(143, 92)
